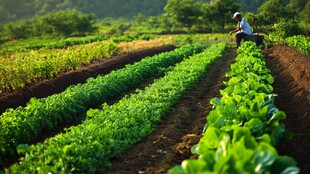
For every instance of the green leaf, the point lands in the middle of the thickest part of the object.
(177, 170)
(291, 170)
(222, 150)
(23, 148)
(193, 166)
(255, 125)
(216, 102)
(210, 140)
(284, 165)
(245, 133)
(262, 160)
(276, 117)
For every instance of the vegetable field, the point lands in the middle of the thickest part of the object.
(199, 108)
(21, 68)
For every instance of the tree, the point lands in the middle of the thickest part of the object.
(140, 18)
(273, 10)
(184, 12)
(166, 22)
(61, 23)
(298, 5)
(219, 12)
(305, 13)
(250, 6)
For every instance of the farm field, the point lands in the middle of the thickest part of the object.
(21, 68)
(172, 142)
(27, 123)
(61, 82)
(155, 87)
(165, 96)
(178, 123)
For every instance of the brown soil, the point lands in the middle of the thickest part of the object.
(47, 133)
(170, 144)
(291, 70)
(61, 82)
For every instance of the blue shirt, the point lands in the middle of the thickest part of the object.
(245, 27)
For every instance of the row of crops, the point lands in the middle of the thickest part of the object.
(39, 43)
(51, 43)
(21, 68)
(301, 42)
(108, 131)
(26, 123)
(243, 127)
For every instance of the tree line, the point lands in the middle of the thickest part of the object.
(11, 10)
(188, 15)
(61, 23)
(217, 14)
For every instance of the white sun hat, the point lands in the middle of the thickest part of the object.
(236, 14)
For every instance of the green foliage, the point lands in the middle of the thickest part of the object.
(244, 125)
(25, 124)
(219, 12)
(285, 28)
(49, 43)
(301, 42)
(234, 150)
(305, 13)
(250, 6)
(15, 9)
(20, 68)
(204, 39)
(200, 15)
(272, 11)
(107, 132)
(62, 23)
(184, 12)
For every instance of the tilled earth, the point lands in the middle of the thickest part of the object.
(173, 138)
(62, 81)
(291, 70)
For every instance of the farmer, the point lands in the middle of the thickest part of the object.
(243, 28)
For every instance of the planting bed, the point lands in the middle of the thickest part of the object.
(108, 132)
(25, 124)
(182, 127)
(171, 143)
(291, 70)
(61, 82)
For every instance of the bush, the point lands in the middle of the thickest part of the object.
(61, 23)
(284, 29)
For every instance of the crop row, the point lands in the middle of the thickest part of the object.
(50, 43)
(301, 42)
(20, 68)
(39, 43)
(106, 133)
(26, 123)
(244, 125)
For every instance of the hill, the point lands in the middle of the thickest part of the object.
(11, 10)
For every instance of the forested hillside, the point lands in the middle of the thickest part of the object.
(11, 10)
(16, 9)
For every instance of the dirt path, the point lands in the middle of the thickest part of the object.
(170, 144)
(61, 82)
(291, 70)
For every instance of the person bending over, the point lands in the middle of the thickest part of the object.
(243, 28)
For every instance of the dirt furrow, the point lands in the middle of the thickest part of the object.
(61, 82)
(173, 138)
(291, 70)
(61, 128)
